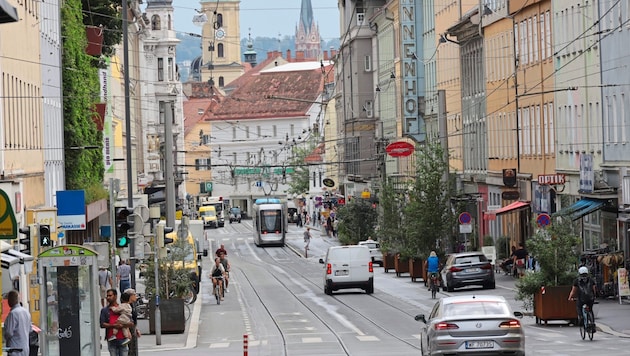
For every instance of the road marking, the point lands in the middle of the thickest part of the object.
(219, 345)
(367, 338)
(310, 340)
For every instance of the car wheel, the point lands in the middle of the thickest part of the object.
(328, 288)
(491, 285)
(449, 288)
(370, 288)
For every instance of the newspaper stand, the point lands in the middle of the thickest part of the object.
(70, 301)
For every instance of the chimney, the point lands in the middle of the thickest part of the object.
(326, 55)
(288, 55)
(269, 54)
(299, 55)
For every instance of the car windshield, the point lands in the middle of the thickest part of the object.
(477, 308)
(370, 245)
(469, 259)
(236, 211)
(208, 213)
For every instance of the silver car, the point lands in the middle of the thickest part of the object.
(472, 324)
(466, 269)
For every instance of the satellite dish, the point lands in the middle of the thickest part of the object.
(199, 20)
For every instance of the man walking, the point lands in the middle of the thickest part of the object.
(105, 282)
(124, 275)
(17, 326)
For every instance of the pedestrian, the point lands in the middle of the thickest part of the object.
(299, 220)
(520, 259)
(108, 321)
(130, 296)
(329, 226)
(124, 275)
(335, 227)
(17, 326)
(105, 282)
(307, 237)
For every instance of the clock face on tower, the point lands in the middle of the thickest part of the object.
(219, 34)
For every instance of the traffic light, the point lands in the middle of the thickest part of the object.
(44, 235)
(162, 231)
(25, 242)
(124, 223)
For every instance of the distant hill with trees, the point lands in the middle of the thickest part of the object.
(190, 48)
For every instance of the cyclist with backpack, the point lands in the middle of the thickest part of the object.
(584, 289)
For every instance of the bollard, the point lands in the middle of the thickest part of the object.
(244, 344)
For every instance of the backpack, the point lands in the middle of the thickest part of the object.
(586, 289)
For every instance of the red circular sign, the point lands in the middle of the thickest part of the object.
(399, 149)
(465, 218)
(543, 220)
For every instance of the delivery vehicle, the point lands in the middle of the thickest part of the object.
(184, 256)
(219, 206)
(348, 267)
(208, 214)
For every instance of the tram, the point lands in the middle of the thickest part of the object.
(269, 222)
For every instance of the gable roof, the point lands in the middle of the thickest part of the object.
(252, 100)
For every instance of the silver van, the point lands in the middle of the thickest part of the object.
(348, 267)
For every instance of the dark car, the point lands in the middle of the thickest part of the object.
(235, 215)
(468, 268)
(472, 325)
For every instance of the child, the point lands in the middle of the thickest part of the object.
(124, 312)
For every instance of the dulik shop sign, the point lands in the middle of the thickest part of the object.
(399, 149)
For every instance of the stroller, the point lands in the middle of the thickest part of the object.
(508, 268)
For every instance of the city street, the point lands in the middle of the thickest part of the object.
(276, 297)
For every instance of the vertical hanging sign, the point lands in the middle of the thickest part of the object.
(105, 77)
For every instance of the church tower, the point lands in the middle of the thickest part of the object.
(307, 33)
(221, 42)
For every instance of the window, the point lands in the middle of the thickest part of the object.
(220, 53)
(548, 33)
(202, 164)
(246, 131)
(233, 132)
(275, 131)
(258, 131)
(367, 64)
(221, 82)
(205, 139)
(155, 22)
(543, 53)
(170, 69)
(534, 38)
(369, 106)
(219, 22)
(160, 69)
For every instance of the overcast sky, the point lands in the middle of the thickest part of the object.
(267, 18)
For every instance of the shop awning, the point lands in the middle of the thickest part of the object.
(580, 208)
(8, 13)
(518, 205)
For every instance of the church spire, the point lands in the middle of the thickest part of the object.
(306, 15)
(307, 39)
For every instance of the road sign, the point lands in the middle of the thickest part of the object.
(543, 220)
(465, 218)
(465, 229)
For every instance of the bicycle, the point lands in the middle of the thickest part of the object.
(219, 290)
(434, 284)
(587, 322)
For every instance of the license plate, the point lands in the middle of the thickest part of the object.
(472, 269)
(479, 344)
(341, 273)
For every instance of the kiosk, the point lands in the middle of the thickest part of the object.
(70, 301)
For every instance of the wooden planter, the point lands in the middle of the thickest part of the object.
(400, 265)
(553, 305)
(388, 261)
(94, 40)
(415, 269)
(173, 320)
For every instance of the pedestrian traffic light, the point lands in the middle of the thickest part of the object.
(162, 239)
(25, 242)
(44, 235)
(124, 223)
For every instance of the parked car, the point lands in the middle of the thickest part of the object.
(235, 215)
(472, 324)
(348, 267)
(467, 268)
(375, 250)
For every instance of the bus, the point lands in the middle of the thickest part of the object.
(219, 206)
(269, 222)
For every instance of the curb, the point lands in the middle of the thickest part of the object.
(608, 330)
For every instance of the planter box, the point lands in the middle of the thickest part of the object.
(172, 316)
(94, 40)
(388, 261)
(416, 269)
(401, 266)
(553, 305)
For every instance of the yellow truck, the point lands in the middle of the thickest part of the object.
(185, 257)
(208, 214)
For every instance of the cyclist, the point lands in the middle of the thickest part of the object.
(220, 250)
(585, 290)
(433, 268)
(226, 267)
(217, 272)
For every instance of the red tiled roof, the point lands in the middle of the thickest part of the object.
(195, 110)
(317, 154)
(251, 100)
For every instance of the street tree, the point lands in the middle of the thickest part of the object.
(300, 176)
(390, 221)
(357, 221)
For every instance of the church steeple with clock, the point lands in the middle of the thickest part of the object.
(221, 42)
(307, 37)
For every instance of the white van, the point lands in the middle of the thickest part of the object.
(348, 267)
